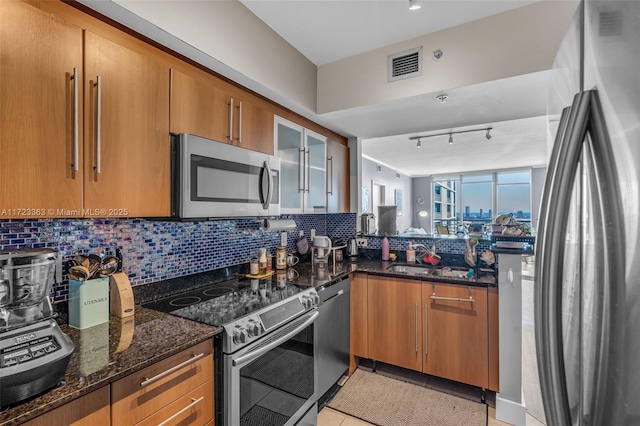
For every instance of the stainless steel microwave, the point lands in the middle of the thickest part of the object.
(214, 180)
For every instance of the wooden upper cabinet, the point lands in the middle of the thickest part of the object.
(38, 55)
(395, 321)
(338, 186)
(254, 123)
(456, 340)
(199, 107)
(127, 139)
(204, 105)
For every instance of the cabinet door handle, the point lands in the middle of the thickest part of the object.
(239, 138)
(426, 331)
(301, 158)
(307, 168)
(98, 126)
(194, 402)
(230, 135)
(148, 381)
(452, 299)
(330, 176)
(74, 77)
(416, 328)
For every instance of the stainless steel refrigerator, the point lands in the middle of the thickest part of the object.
(587, 275)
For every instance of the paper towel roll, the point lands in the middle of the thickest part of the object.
(279, 225)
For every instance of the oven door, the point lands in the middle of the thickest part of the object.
(272, 381)
(214, 179)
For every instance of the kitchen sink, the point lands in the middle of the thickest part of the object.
(428, 270)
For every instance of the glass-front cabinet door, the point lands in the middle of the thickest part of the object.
(303, 159)
(316, 164)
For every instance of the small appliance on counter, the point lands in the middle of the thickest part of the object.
(368, 223)
(352, 249)
(34, 353)
(320, 251)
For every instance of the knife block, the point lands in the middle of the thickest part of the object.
(121, 296)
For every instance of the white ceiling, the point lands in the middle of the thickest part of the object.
(328, 30)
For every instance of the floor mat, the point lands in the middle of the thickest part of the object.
(389, 402)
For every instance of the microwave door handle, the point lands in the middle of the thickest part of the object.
(266, 200)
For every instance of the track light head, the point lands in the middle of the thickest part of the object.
(419, 143)
(414, 5)
(450, 139)
(488, 136)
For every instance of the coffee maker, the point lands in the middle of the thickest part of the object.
(34, 352)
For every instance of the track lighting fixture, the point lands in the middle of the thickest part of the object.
(451, 133)
(414, 5)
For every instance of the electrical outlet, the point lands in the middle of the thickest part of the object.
(362, 242)
(283, 239)
(312, 233)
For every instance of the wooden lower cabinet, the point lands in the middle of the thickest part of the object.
(456, 332)
(394, 321)
(90, 409)
(165, 388)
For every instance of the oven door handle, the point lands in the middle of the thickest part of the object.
(238, 362)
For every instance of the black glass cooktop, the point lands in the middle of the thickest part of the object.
(221, 303)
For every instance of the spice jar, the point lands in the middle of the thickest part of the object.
(254, 268)
(281, 258)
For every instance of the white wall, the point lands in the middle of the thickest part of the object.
(227, 38)
(387, 176)
(475, 52)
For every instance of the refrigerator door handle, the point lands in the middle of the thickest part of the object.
(550, 250)
(608, 388)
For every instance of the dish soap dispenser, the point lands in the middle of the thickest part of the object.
(411, 253)
(385, 249)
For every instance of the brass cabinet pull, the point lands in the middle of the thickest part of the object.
(148, 381)
(194, 402)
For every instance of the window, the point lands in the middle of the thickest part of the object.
(514, 194)
(480, 198)
(477, 195)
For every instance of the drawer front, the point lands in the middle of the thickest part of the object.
(194, 409)
(141, 394)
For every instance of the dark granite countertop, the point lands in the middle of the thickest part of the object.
(110, 351)
(103, 354)
(306, 274)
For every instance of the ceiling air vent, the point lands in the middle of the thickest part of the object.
(405, 64)
(610, 23)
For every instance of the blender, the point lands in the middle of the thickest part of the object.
(34, 353)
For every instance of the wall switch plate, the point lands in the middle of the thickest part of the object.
(300, 234)
(283, 239)
(312, 233)
(362, 242)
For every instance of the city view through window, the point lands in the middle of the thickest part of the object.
(481, 198)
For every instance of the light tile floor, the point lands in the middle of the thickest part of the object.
(531, 385)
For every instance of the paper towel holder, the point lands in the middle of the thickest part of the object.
(278, 225)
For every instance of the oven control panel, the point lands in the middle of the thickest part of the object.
(253, 326)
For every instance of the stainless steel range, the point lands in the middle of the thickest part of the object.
(267, 359)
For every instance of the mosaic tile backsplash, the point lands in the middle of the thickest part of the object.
(159, 250)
